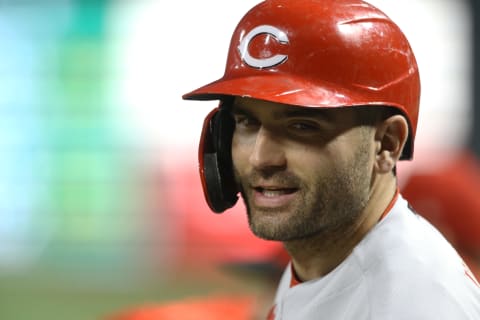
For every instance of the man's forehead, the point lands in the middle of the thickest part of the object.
(252, 106)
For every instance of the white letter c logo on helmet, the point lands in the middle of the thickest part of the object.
(266, 62)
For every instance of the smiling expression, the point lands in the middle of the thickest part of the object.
(301, 171)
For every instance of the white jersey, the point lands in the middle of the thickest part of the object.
(403, 269)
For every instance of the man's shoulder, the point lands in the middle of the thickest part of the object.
(404, 239)
(405, 261)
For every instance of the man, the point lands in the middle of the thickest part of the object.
(318, 102)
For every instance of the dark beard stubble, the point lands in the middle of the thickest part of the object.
(329, 206)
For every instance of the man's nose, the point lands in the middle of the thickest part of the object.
(268, 151)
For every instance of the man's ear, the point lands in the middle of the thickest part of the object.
(390, 138)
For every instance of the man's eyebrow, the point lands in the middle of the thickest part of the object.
(238, 110)
(292, 112)
(304, 112)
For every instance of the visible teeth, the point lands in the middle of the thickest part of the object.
(273, 193)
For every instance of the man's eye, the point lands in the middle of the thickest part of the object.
(303, 126)
(246, 122)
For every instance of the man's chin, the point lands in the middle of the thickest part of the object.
(267, 230)
(267, 235)
(277, 235)
(274, 228)
(273, 224)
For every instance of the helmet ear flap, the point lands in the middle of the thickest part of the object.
(215, 159)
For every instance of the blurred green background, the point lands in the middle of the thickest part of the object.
(88, 226)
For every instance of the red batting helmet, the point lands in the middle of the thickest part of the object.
(320, 54)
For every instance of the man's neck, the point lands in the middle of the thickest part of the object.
(316, 256)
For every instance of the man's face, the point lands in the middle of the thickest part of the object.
(301, 171)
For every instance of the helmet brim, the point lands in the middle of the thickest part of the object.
(286, 89)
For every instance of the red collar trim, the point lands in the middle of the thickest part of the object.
(390, 205)
(293, 277)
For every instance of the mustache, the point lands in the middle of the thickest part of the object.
(258, 177)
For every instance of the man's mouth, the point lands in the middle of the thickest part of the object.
(273, 196)
(270, 192)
